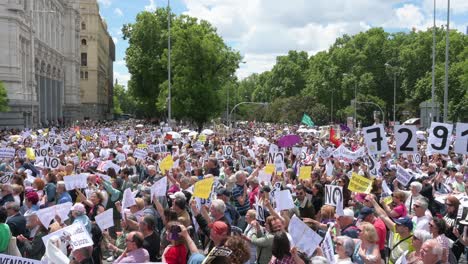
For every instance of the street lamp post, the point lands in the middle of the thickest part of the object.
(169, 61)
(241, 103)
(378, 106)
(354, 104)
(433, 62)
(395, 71)
(447, 43)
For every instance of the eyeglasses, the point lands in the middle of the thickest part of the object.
(448, 204)
(415, 238)
(417, 206)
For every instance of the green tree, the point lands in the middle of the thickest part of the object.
(3, 98)
(201, 65)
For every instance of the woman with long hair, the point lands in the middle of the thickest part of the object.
(452, 204)
(282, 252)
(367, 249)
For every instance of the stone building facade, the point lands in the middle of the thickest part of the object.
(97, 55)
(39, 60)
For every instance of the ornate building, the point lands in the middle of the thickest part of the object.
(97, 56)
(39, 60)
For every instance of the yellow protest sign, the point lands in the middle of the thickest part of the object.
(30, 154)
(142, 146)
(166, 164)
(88, 138)
(305, 172)
(202, 137)
(360, 184)
(202, 189)
(388, 200)
(270, 168)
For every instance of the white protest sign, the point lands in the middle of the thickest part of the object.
(46, 215)
(417, 159)
(6, 178)
(374, 137)
(402, 258)
(406, 141)
(17, 260)
(120, 157)
(284, 200)
(62, 210)
(279, 162)
(403, 176)
(385, 188)
(333, 194)
(128, 199)
(76, 235)
(273, 148)
(342, 153)
(303, 237)
(73, 182)
(439, 135)
(327, 248)
(109, 164)
(260, 212)
(104, 177)
(251, 153)
(159, 188)
(329, 168)
(243, 162)
(461, 139)
(264, 177)
(140, 154)
(7, 153)
(50, 162)
(324, 153)
(105, 219)
(227, 151)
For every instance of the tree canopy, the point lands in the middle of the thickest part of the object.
(3, 98)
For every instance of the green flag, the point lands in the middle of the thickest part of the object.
(307, 120)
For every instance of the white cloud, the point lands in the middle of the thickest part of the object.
(122, 77)
(151, 7)
(120, 62)
(118, 12)
(407, 16)
(105, 3)
(115, 40)
(456, 7)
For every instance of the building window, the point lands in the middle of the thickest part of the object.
(81, 75)
(83, 42)
(83, 26)
(84, 59)
(86, 75)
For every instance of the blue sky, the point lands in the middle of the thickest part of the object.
(264, 29)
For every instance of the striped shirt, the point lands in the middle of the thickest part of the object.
(238, 191)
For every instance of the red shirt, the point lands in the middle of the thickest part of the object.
(381, 232)
(252, 196)
(176, 254)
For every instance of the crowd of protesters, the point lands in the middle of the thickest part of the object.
(422, 222)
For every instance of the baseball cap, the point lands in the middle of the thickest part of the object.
(78, 207)
(219, 227)
(348, 212)
(406, 221)
(365, 211)
(177, 195)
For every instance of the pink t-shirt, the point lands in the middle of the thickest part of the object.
(400, 210)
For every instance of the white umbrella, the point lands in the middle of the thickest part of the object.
(183, 131)
(302, 130)
(261, 141)
(312, 130)
(174, 135)
(139, 126)
(207, 132)
(192, 133)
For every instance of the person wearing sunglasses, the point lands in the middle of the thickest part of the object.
(420, 216)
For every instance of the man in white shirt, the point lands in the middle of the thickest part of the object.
(420, 219)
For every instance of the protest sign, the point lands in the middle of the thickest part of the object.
(78, 181)
(166, 164)
(227, 151)
(105, 219)
(333, 194)
(279, 162)
(325, 153)
(264, 177)
(76, 235)
(406, 140)
(327, 248)
(7, 153)
(7, 259)
(6, 178)
(260, 213)
(273, 148)
(402, 258)
(128, 199)
(203, 188)
(403, 176)
(284, 200)
(159, 188)
(243, 162)
(269, 168)
(360, 184)
(374, 137)
(385, 188)
(329, 168)
(303, 237)
(438, 141)
(104, 177)
(461, 139)
(305, 172)
(342, 153)
(46, 215)
(62, 210)
(140, 153)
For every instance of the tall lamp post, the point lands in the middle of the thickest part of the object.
(355, 100)
(433, 62)
(447, 43)
(395, 71)
(169, 61)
